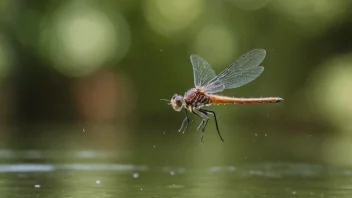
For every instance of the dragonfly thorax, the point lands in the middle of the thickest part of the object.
(177, 102)
(196, 98)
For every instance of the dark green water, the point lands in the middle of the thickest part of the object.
(34, 179)
(175, 165)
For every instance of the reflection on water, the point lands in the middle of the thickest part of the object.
(51, 154)
(129, 180)
(52, 167)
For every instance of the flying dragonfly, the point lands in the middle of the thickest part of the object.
(244, 70)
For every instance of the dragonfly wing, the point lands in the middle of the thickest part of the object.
(202, 71)
(237, 79)
(242, 71)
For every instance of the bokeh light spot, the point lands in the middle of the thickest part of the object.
(249, 4)
(331, 91)
(217, 44)
(81, 38)
(312, 15)
(172, 16)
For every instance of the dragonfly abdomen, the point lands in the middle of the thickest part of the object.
(216, 99)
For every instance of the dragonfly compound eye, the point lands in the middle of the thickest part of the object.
(176, 102)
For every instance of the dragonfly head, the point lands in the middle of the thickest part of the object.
(177, 102)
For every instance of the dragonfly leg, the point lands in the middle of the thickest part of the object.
(206, 117)
(205, 114)
(203, 120)
(216, 121)
(183, 122)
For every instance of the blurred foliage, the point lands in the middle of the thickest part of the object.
(90, 63)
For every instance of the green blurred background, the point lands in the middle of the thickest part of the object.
(88, 75)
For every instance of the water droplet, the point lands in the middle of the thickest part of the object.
(154, 145)
(256, 134)
(135, 175)
(141, 188)
(266, 135)
(37, 186)
(84, 130)
(97, 182)
(172, 173)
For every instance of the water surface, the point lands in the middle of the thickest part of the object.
(132, 180)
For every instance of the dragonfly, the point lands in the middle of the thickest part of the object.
(244, 70)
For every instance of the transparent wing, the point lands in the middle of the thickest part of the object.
(244, 70)
(202, 71)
